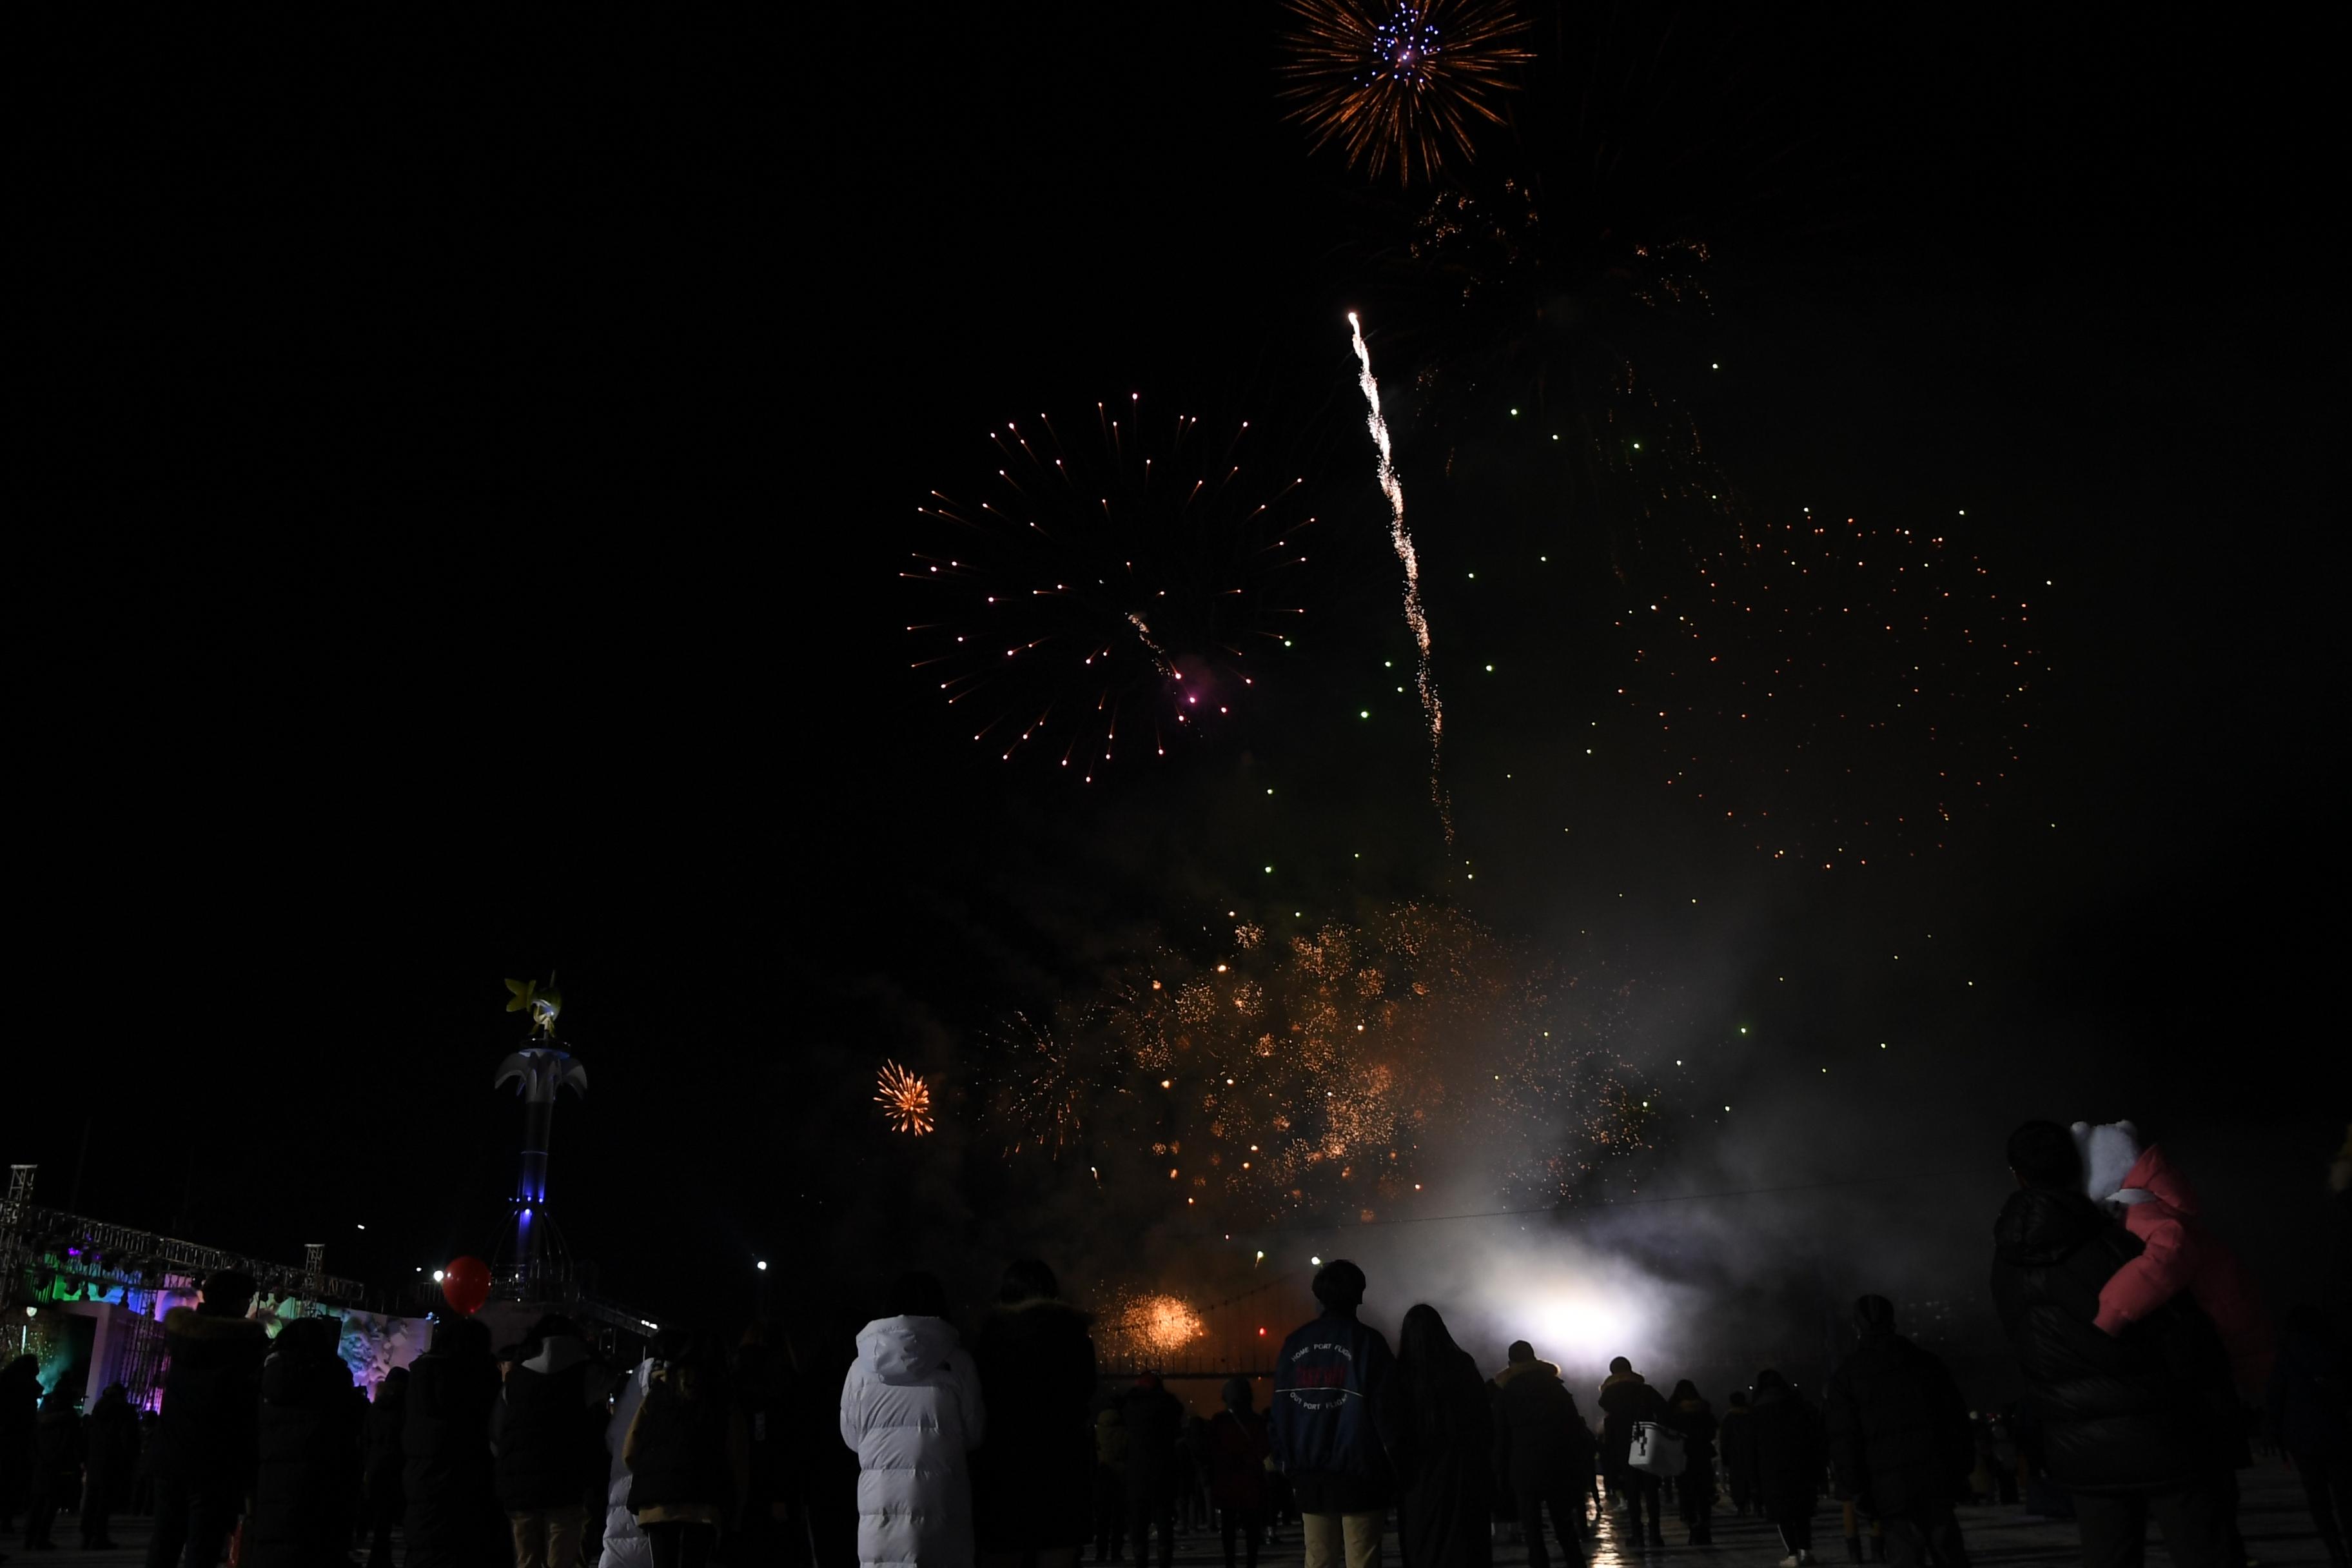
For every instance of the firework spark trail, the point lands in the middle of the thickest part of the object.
(1393, 487)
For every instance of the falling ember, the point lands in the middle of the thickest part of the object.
(904, 1099)
(1393, 487)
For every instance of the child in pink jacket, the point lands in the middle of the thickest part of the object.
(2177, 1252)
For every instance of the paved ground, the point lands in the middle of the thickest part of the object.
(2278, 1535)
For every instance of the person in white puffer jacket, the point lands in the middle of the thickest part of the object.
(626, 1545)
(911, 1408)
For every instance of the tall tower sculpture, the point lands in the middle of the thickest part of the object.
(534, 1264)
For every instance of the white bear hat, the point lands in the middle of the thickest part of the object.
(2109, 1152)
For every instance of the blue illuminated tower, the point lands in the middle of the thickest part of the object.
(534, 1264)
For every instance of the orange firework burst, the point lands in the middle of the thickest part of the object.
(904, 1099)
(1401, 80)
(1148, 1327)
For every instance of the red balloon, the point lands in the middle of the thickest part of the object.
(466, 1284)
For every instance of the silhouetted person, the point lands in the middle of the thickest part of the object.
(1154, 1421)
(1543, 1452)
(2308, 1419)
(1238, 1447)
(550, 1446)
(1032, 1480)
(304, 1496)
(1110, 1486)
(1334, 1423)
(206, 1440)
(1626, 1400)
(2123, 1428)
(682, 1450)
(1693, 1418)
(447, 1474)
(624, 1544)
(1791, 1452)
(381, 1503)
(1900, 1440)
(1736, 1437)
(767, 1378)
(1445, 1453)
(111, 1451)
(56, 1465)
(20, 1413)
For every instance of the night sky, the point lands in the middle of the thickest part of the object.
(471, 473)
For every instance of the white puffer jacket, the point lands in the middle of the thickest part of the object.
(626, 1545)
(911, 1406)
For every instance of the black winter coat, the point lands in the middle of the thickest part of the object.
(304, 1498)
(1540, 1438)
(386, 1418)
(1154, 1420)
(2309, 1405)
(1445, 1443)
(1791, 1449)
(1694, 1420)
(1898, 1430)
(2116, 1413)
(551, 1443)
(1625, 1398)
(1032, 1479)
(212, 1395)
(110, 1435)
(56, 1443)
(676, 1447)
(1736, 1435)
(453, 1519)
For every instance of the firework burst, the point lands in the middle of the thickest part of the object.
(1145, 1328)
(1322, 1075)
(1401, 81)
(1114, 587)
(904, 1099)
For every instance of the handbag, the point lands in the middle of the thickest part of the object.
(1655, 1450)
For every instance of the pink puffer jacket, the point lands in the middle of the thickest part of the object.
(2178, 1253)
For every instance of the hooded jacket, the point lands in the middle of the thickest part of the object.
(911, 1408)
(1540, 1437)
(1032, 1480)
(550, 1441)
(212, 1392)
(2178, 1253)
(2115, 1414)
(305, 1494)
(1333, 1424)
(1625, 1398)
(1899, 1428)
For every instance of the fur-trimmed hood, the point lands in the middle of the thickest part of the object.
(1519, 1369)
